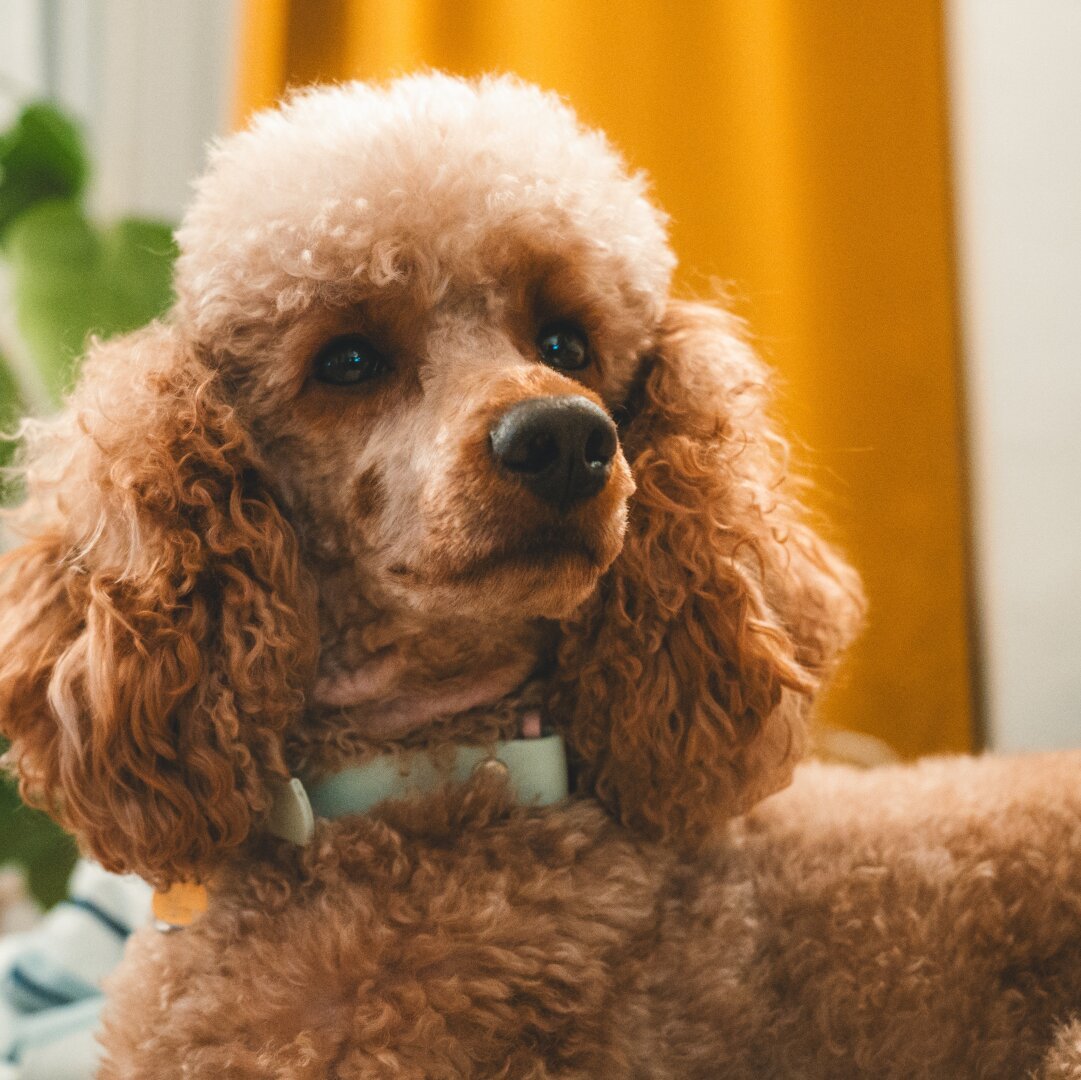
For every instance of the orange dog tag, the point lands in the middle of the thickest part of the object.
(181, 904)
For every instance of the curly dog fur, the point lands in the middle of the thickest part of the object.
(235, 571)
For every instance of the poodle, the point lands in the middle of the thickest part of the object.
(425, 477)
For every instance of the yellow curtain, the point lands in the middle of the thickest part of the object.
(800, 147)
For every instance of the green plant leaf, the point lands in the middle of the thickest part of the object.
(42, 848)
(71, 279)
(10, 408)
(42, 156)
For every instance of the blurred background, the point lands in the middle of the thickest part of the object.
(887, 191)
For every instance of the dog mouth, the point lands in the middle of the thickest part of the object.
(545, 553)
(538, 555)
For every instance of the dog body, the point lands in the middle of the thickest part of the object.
(906, 922)
(426, 456)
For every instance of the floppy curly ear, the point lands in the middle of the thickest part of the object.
(154, 628)
(686, 681)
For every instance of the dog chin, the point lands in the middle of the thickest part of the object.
(511, 585)
(550, 589)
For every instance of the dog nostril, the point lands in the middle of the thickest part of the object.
(600, 447)
(532, 455)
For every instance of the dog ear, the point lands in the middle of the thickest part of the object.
(155, 632)
(685, 682)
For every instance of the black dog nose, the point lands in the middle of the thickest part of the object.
(560, 447)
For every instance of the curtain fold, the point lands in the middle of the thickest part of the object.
(800, 147)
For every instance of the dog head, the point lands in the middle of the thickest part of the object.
(424, 381)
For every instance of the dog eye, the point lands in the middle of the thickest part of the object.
(346, 361)
(563, 346)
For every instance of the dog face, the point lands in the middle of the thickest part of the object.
(455, 453)
(385, 408)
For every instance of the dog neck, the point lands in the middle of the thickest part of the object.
(395, 678)
(388, 690)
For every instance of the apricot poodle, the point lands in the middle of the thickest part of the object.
(425, 458)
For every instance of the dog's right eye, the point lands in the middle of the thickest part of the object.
(349, 360)
(563, 346)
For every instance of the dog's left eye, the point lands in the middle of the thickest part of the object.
(346, 361)
(563, 346)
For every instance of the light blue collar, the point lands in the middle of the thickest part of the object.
(536, 770)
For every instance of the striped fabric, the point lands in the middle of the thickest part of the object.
(51, 976)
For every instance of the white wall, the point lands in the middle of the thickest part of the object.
(1016, 100)
(20, 53)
